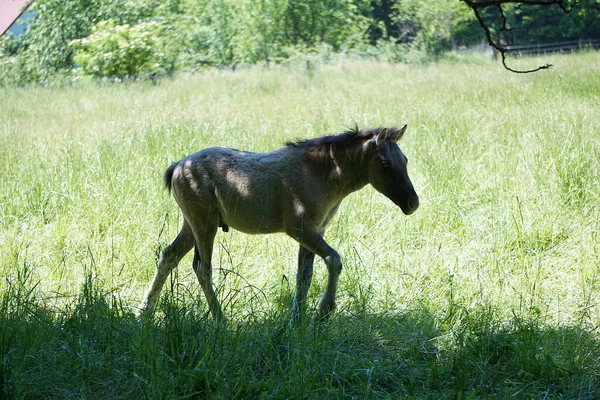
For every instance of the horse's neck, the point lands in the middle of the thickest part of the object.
(348, 172)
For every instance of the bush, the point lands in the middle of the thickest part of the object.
(123, 51)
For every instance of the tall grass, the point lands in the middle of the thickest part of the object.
(490, 289)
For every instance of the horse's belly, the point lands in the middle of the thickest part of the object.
(253, 224)
(250, 206)
(250, 216)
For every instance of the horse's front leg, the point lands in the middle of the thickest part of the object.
(334, 269)
(304, 275)
(312, 240)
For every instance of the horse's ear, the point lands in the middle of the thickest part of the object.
(389, 134)
(396, 135)
(381, 137)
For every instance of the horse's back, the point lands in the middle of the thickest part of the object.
(244, 189)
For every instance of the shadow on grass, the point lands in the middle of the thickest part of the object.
(95, 347)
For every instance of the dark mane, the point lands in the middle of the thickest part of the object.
(342, 140)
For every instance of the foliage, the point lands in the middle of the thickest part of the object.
(57, 23)
(536, 24)
(434, 22)
(228, 33)
(123, 51)
(242, 32)
(524, 22)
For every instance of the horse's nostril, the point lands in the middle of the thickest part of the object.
(414, 203)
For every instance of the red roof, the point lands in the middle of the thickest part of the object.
(10, 10)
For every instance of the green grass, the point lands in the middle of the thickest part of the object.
(490, 290)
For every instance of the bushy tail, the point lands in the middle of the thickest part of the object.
(169, 175)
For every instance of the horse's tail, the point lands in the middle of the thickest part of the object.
(169, 175)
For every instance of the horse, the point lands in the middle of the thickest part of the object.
(296, 190)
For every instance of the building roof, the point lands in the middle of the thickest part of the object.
(10, 10)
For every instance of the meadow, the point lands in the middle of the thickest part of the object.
(490, 290)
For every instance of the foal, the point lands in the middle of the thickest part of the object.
(296, 189)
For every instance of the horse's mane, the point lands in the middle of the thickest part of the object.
(345, 139)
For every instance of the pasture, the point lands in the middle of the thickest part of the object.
(490, 290)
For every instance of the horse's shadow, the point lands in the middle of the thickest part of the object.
(422, 353)
(418, 353)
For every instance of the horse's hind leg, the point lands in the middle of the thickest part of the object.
(205, 237)
(169, 259)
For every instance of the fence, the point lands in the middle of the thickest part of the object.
(555, 47)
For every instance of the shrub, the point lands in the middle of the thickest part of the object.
(123, 51)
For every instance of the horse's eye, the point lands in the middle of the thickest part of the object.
(385, 163)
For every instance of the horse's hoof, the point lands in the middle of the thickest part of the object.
(220, 320)
(324, 312)
(143, 312)
(140, 311)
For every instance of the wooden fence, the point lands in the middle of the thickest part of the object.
(573, 45)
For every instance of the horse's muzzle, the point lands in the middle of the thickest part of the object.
(411, 205)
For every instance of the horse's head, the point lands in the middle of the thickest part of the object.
(387, 170)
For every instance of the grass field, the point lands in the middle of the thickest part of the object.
(490, 290)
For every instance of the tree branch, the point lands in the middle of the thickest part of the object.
(521, 71)
(504, 21)
(477, 6)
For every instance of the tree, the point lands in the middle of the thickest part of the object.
(480, 7)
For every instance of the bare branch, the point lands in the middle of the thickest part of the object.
(504, 21)
(519, 71)
(477, 6)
